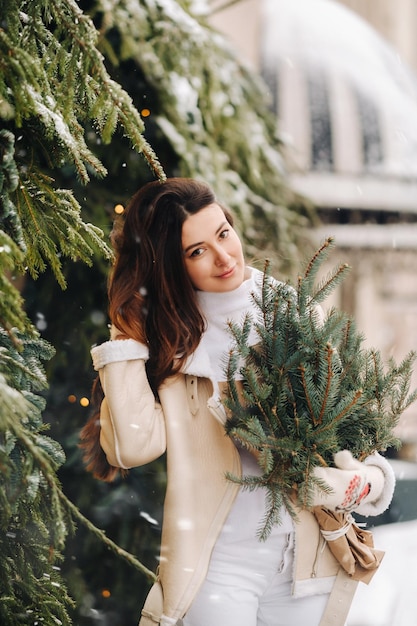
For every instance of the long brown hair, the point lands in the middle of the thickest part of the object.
(151, 297)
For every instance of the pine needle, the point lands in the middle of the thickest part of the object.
(309, 388)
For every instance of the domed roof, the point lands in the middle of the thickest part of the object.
(346, 103)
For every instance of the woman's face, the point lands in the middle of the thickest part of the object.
(212, 251)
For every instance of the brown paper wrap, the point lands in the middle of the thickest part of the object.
(352, 546)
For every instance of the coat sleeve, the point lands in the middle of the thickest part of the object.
(132, 422)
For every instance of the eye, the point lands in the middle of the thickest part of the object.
(224, 234)
(196, 252)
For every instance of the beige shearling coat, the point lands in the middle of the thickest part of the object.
(136, 429)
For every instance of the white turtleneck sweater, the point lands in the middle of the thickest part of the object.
(221, 308)
(218, 310)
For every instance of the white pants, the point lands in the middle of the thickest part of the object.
(249, 582)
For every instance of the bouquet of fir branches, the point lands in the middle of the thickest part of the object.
(308, 388)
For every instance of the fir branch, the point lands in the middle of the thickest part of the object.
(12, 314)
(307, 395)
(58, 496)
(55, 84)
(313, 265)
(329, 378)
(30, 443)
(201, 113)
(327, 286)
(342, 414)
(101, 535)
(35, 515)
(308, 387)
(32, 523)
(52, 226)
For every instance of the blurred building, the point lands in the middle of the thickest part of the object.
(342, 80)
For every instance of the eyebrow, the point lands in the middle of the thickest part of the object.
(199, 243)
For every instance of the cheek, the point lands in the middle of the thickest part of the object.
(237, 247)
(195, 271)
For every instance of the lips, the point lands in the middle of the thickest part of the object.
(228, 272)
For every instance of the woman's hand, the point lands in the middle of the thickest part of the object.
(348, 485)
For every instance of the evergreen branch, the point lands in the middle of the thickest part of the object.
(307, 395)
(254, 393)
(375, 362)
(20, 421)
(314, 263)
(22, 367)
(320, 459)
(403, 374)
(179, 59)
(329, 283)
(329, 351)
(53, 226)
(122, 108)
(347, 409)
(272, 514)
(309, 389)
(101, 535)
(58, 496)
(293, 405)
(58, 78)
(12, 314)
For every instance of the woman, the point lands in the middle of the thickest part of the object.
(178, 278)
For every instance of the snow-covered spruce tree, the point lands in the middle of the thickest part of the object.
(53, 83)
(213, 112)
(125, 507)
(308, 388)
(57, 100)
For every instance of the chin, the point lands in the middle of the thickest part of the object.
(234, 282)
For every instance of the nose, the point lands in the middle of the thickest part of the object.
(222, 256)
